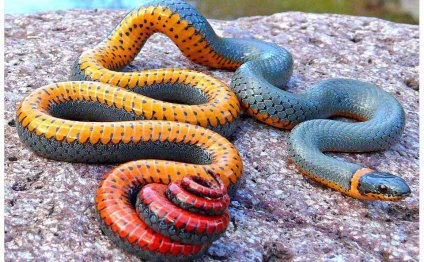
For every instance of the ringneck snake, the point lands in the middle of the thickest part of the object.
(174, 120)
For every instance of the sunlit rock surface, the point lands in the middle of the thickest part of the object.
(277, 214)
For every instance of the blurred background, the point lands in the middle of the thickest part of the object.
(402, 11)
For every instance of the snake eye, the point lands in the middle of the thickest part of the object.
(382, 189)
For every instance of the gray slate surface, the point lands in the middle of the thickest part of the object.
(277, 214)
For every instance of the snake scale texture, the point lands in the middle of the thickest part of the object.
(170, 202)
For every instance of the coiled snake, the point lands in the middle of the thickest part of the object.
(163, 117)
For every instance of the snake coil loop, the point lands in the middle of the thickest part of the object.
(157, 221)
(192, 210)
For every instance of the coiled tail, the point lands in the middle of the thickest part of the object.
(159, 222)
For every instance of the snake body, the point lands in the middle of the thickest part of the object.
(160, 120)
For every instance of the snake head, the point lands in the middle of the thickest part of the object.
(383, 186)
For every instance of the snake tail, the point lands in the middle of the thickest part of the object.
(170, 222)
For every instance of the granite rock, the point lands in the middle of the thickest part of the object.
(277, 214)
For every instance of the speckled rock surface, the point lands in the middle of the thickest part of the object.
(277, 214)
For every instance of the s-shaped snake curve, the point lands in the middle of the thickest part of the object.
(179, 186)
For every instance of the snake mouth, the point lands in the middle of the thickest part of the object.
(383, 186)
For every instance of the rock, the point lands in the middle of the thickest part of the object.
(277, 214)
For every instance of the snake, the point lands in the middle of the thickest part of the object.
(169, 200)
